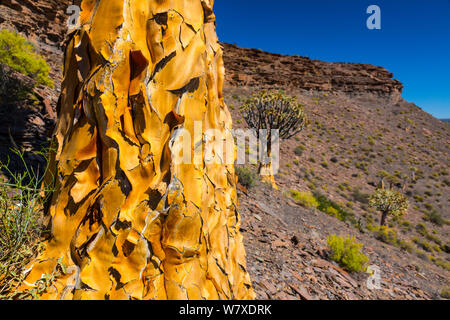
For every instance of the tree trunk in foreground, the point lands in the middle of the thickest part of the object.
(127, 222)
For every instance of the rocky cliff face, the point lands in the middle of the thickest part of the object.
(43, 23)
(255, 68)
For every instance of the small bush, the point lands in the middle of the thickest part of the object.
(324, 164)
(386, 235)
(305, 199)
(406, 225)
(299, 150)
(446, 248)
(360, 196)
(425, 245)
(20, 55)
(333, 209)
(443, 264)
(422, 229)
(434, 217)
(422, 255)
(347, 253)
(246, 177)
(332, 212)
(445, 293)
(405, 245)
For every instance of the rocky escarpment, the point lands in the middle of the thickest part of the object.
(255, 68)
(44, 24)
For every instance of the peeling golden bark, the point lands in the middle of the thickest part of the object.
(127, 221)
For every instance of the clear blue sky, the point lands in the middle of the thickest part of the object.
(413, 43)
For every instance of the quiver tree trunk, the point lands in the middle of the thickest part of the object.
(127, 221)
(384, 215)
(265, 169)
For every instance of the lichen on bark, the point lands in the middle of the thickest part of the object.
(127, 220)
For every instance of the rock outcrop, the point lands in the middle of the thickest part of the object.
(44, 23)
(255, 68)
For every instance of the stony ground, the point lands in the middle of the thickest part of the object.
(288, 258)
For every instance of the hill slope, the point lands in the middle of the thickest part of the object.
(361, 130)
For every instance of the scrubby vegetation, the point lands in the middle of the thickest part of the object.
(434, 217)
(246, 177)
(347, 252)
(333, 209)
(445, 293)
(20, 55)
(305, 199)
(21, 203)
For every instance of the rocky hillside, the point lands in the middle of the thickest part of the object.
(42, 22)
(361, 130)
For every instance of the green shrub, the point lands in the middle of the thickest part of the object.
(425, 245)
(360, 196)
(333, 209)
(305, 199)
(246, 177)
(445, 293)
(20, 55)
(434, 217)
(347, 253)
(332, 212)
(443, 264)
(386, 235)
(405, 245)
(422, 229)
(446, 248)
(299, 150)
(406, 225)
(422, 255)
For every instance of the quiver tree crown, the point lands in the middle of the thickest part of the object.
(274, 110)
(389, 202)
